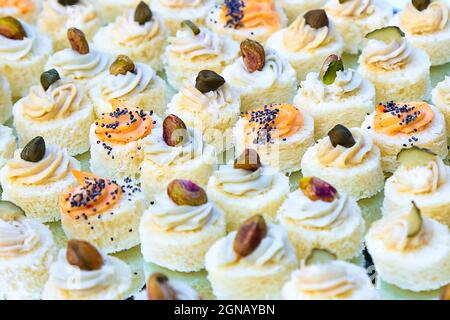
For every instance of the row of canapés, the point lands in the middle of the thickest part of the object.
(246, 255)
(191, 47)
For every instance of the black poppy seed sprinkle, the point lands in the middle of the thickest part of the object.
(235, 13)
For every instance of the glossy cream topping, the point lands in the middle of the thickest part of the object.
(172, 217)
(352, 8)
(322, 281)
(301, 36)
(16, 50)
(273, 249)
(68, 277)
(181, 4)
(55, 166)
(347, 83)
(393, 56)
(432, 19)
(393, 233)
(341, 157)
(74, 15)
(156, 149)
(274, 70)
(240, 182)
(17, 237)
(192, 99)
(129, 33)
(189, 46)
(59, 101)
(73, 65)
(315, 214)
(422, 179)
(117, 86)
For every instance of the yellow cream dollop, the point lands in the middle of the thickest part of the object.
(389, 57)
(300, 36)
(432, 19)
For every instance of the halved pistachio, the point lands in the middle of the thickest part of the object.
(421, 4)
(330, 67)
(415, 157)
(11, 28)
(175, 132)
(158, 288)
(9, 211)
(316, 18)
(78, 40)
(320, 256)
(68, 2)
(122, 65)
(34, 151)
(189, 24)
(249, 235)
(340, 135)
(414, 220)
(248, 160)
(317, 189)
(386, 34)
(49, 77)
(143, 13)
(343, 1)
(253, 55)
(83, 255)
(208, 80)
(186, 193)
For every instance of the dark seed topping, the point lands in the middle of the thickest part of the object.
(208, 80)
(49, 77)
(142, 14)
(340, 135)
(34, 150)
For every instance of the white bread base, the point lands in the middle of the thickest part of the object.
(7, 144)
(286, 155)
(344, 240)
(408, 84)
(361, 181)
(5, 100)
(24, 277)
(239, 208)
(110, 233)
(424, 269)
(110, 9)
(444, 106)
(179, 251)
(433, 138)
(71, 133)
(40, 202)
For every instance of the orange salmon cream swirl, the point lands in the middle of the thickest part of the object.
(124, 124)
(93, 196)
(275, 121)
(23, 6)
(392, 118)
(250, 14)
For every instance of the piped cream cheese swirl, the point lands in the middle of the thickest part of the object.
(68, 277)
(240, 182)
(273, 70)
(59, 101)
(158, 151)
(422, 179)
(301, 36)
(17, 237)
(116, 86)
(180, 4)
(185, 44)
(55, 165)
(16, 50)
(129, 33)
(432, 19)
(315, 214)
(273, 249)
(71, 64)
(341, 157)
(192, 99)
(172, 217)
(394, 234)
(72, 15)
(347, 83)
(321, 281)
(388, 57)
(352, 8)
